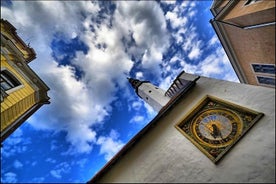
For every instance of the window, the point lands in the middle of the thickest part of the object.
(249, 2)
(266, 80)
(264, 68)
(3, 95)
(8, 81)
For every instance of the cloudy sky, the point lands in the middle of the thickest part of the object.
(85, 51)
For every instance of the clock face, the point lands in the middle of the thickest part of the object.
(216, 127)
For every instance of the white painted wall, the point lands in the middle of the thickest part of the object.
(153, 95)
(165, 155)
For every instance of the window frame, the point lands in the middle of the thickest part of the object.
(265, 84)
(14, 78)
(262, 64)
(3, 94)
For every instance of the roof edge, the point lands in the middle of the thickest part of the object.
(13, 33)
(227, 48)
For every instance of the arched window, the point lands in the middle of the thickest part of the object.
(8, 81)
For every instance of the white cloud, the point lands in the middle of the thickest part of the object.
(51, 160)
(82, 162)
(137, 105)
(146, 23)
(34, 163)
(166, 82)
(176, 16)
(55, 174)
(176, 21)
(186, 34)
(17, 164)
(195, 52)
(215, 65)
(144, 17)
(139, 75)
(103, 69)
(151, 59)
(189, 68)
(15, 144)
(76, 105)
(192, 44)
(137, 119)
(74, 108)
(110, 145)
(211, 65)
(213, 40)
(179, 35)
(16, 137)
(192, 13)
(70, 100)
(57, 16)
(151, 113)
(38, 180)
(60, 169)
(168, 2)
(9, 177)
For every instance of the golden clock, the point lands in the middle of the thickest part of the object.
(214, 125)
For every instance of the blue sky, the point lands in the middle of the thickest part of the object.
(85, 51)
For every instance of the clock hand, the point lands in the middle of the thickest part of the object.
(208, 129)
(216, 131)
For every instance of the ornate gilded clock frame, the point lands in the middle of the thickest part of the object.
(212, 114)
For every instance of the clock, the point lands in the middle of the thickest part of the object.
(215, 125)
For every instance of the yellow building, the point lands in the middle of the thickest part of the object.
(246, 30)
(22, 91)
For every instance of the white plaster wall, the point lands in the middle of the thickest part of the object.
(165, 155)
(156, 98)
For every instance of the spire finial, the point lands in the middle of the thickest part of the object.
(134, 82)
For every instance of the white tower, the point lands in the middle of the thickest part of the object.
(151, 94)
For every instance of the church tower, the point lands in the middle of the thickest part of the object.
(158, 98)
(151, 94)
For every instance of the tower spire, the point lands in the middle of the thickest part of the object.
(135, 83)
(157, 97)
(151, 94)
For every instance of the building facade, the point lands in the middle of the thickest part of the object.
(246, 30)
(22, 91)
(210, 131)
